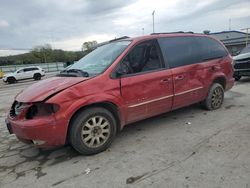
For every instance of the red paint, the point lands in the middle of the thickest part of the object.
(136, 97)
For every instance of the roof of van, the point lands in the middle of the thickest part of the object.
(173, 34)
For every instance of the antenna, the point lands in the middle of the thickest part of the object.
(229, 24)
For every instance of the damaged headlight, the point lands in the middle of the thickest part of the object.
(18, 107)
(41, 109)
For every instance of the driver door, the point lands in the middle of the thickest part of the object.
(146, 87)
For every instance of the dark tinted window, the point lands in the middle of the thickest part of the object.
(210, 48)
(179, 51)
(144, 57)
(30, 69)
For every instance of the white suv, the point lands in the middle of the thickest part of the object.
(24, 73)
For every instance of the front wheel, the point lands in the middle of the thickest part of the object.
(215, 97)
(11, 80)
(92, 130)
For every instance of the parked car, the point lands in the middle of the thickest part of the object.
(33, 72)
(119, 83)
(242, 63)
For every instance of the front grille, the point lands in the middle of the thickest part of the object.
(243, 64)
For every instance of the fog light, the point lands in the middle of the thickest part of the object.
(38, 142)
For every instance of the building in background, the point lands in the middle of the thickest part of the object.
(235, 41)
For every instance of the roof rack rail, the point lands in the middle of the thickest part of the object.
(120, 38)
(176, 32)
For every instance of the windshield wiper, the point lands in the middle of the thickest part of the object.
(73, 73)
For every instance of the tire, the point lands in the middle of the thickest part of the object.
(215, 97)
(98, 125)
(11, 80)
(237, 78)
(37, 76)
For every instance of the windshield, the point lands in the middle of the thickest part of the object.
(245, 50)
(99, 60)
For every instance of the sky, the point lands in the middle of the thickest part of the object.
(66, 24)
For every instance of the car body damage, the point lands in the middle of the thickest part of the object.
(37, 92)
(120, 83)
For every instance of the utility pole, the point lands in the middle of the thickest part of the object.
(143, 31)
(246, 29)
(153, 15)
(229, 25)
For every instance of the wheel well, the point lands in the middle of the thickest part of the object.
(37, 73)
(107, 105)
(11, 77)
(221, 81)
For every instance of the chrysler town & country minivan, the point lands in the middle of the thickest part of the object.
(118, 83)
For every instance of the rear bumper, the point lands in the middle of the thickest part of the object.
(46, 132)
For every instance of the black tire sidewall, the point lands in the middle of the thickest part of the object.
(11, 80)
(76, 127)
(37, 76)
(208, 101)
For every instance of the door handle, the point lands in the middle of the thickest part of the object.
(165, 81)
(181, 77)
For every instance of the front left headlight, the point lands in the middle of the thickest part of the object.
(41, 109)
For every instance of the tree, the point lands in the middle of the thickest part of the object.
(44, 53)
(89, 46)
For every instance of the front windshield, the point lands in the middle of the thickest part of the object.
(245, 50)
(98, 60)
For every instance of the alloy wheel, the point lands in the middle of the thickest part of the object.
(95, 131)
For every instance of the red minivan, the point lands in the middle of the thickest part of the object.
(118, 83)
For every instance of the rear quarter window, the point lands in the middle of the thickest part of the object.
(181, 51)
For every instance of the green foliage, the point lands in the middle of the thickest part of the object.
(45, 54)
(89, 46)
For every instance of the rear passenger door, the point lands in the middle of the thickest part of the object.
(29, 72)
(182, 56)
(194, 61)
(146, 85)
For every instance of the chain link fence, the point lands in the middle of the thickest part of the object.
(48, 67)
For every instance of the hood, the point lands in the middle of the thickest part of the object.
(8, 74)
(241, 56)
(45, 88)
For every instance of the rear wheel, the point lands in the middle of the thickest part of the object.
(92, 130)
(37, 76)
(11, 80)
(215, 97)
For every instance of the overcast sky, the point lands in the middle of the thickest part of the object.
(66, 24)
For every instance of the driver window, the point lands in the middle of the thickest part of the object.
(20, 71)
(144, 57)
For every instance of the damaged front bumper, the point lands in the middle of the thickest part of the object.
(43, 132)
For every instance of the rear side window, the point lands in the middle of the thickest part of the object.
(180, 51)
(30, 69)
(210, 49)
